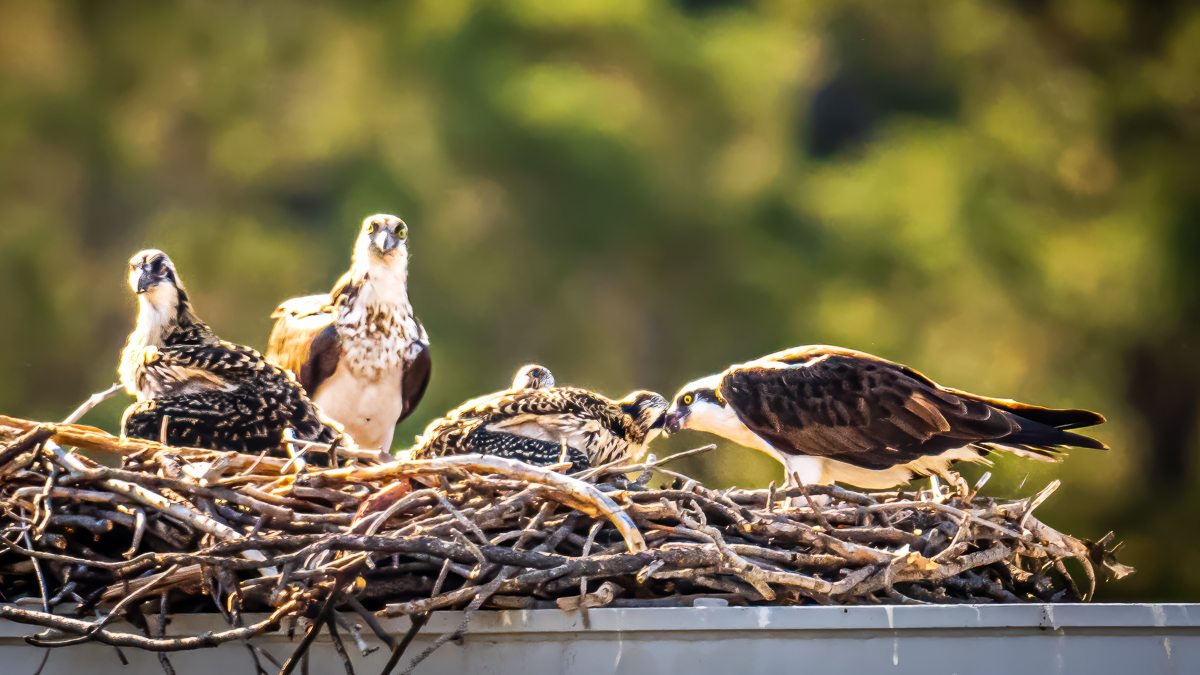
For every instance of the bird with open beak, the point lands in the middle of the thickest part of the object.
(196, 390)
(359, 351)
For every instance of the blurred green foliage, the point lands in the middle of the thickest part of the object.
(1003, 194)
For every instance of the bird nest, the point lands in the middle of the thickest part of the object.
(336, 548)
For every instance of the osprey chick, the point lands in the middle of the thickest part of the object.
(833, 414)
(532, 422)
(198, 390)
(533, 376)
(359, 351)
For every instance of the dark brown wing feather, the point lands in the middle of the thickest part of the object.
(305, 341)
(415, 380)
(872, 413)
(323, 354)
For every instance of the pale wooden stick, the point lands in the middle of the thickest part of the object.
(93, 401)
(566, 490)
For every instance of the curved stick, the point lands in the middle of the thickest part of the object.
(209, 639)
(566, 490)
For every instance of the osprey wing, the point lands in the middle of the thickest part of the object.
(513, 411)
(305, 340)
(854, 408)
(553, 401)
(417, 367)
(875, 414)
(222, 357)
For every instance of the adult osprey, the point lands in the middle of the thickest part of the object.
(359, 351)
(195, 389)
(532, 422)
(832, 414)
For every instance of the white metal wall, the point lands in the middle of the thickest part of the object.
(975, 639)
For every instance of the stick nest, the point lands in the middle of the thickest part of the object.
(188, 530)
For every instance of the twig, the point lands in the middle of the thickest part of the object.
(418, 621)
(26, 442)
(93, 401)
(161, 632)
(812, 504)
(338, 645)
(310, 634)
(1037, 501)
(206, 640)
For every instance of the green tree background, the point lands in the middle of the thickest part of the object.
(1003, 194)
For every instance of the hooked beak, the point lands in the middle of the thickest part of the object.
(673, 422)
(385, 241)
(145, 279)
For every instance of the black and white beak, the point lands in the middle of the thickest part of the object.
(674, 420)
(385, 233)
(149, 269)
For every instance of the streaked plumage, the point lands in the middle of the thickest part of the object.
(210, 393)
(359, 351)
(532, 425)
(833, 414)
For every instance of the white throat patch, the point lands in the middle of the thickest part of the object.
(157, 308)
(723, 421)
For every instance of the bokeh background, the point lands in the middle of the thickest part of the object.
(1003, 194)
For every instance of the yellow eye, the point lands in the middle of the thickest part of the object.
(687, 400)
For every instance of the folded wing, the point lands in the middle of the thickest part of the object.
(305, 340)
(859, 409)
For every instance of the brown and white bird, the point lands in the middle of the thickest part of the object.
(532, 422)
(359, 351)
(533, 376)
(197, 390)
(833, 414)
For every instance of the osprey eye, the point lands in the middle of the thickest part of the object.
(687, 399)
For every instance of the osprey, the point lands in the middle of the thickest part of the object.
(832, 414)
(196, 390)
(533, 376)
(359, 351)
(534, 423)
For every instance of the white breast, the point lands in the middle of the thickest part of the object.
(155, 310)
(367, 410)
(378, 329)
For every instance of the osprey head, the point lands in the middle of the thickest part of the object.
(153, 278)
(648, 410)
(382, 238)
(698, 405)
(533, 376)
(150, 268)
